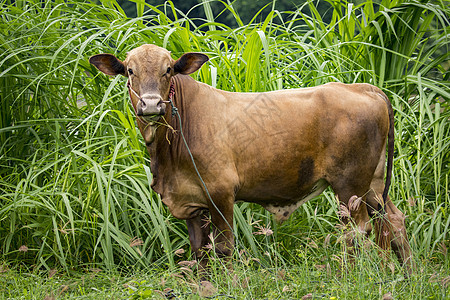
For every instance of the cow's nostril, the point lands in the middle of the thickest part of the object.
(162, 107)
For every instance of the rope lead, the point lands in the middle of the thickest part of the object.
(174, 109)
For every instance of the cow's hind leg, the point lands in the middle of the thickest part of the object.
(395, 220)
(354, 216)
(395, 229)
(399, 240)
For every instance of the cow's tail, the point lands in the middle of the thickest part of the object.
(384, 235)
(390, 149)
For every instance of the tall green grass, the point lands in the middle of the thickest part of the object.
(74, 174)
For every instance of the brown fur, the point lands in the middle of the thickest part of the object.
(273, 148)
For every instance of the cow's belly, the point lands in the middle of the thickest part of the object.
(283, 205)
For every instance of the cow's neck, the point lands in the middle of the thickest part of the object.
(167, 147)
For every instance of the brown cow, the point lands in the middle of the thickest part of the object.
(278, 149)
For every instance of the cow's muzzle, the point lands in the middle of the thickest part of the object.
(150, 105)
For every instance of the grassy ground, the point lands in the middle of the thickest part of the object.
(318, 268)
(320, 278)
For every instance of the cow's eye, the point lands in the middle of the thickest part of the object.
(130, 72)
(168, 70)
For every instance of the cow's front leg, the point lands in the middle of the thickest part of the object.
(222, 226)
(198, 229)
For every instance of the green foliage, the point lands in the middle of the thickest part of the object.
(74, 174)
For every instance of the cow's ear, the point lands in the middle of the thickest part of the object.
(190, 62)
(108, 64)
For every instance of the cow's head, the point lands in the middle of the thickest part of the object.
(149, 69)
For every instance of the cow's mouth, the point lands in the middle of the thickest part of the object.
(151, 119)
